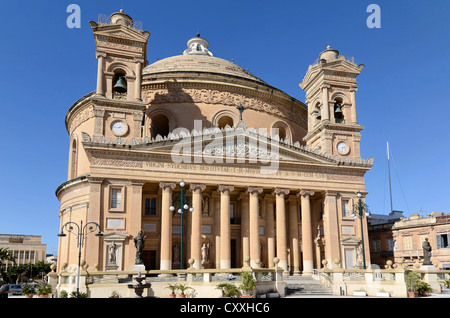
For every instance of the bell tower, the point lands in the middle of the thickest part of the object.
(121, 50)
(330, 86)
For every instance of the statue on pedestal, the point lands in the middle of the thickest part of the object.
(426, 252)
(139, 241)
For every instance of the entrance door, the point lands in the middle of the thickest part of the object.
(233, 254)
(149, 259)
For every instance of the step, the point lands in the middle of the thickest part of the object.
(298, 285)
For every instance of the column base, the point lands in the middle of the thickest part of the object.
(138, 267)
(225, 264)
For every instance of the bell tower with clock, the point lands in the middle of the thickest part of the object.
(330, 86)
(121, 49)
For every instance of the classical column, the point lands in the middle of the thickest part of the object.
(243, 197)
(268, 198)
(225, 229)
(254, 225)
(134, 220)
(353, 106)
(215, 196)
(100, 89)
(196, 232)
(307, 239)
(331, 227)
(166, 225)
(137, 93)
(325, 104)
(93, 250)
(281, 228)
(293, 234)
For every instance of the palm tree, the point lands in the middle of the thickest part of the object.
(5, 255)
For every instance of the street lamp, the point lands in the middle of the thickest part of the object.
(81, 233)
(361, 212)
(183, 206)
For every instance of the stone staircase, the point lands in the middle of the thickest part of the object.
(298, 286)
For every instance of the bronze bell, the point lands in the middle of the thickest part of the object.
(319, 114)
(337, 108)
(121, 85)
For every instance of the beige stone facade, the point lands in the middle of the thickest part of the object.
(266, 175)
(26, 249)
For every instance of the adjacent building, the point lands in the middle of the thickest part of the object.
(25, 249)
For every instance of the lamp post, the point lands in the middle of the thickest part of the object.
(359, 209)
(183, 206)
(81, 233)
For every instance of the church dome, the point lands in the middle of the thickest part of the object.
(198, 61)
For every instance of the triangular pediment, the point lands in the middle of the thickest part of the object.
(121, 32)
(214, 145)
(343, 66)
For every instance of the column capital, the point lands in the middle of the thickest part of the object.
(305, 193)
(164, 185)
(99, 54)
(197, 186)
(279, 191)
(136, 182)
(254, 190)
(224, 188)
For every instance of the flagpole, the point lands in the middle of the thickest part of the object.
(389, 169)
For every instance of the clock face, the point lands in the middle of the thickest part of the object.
(119, 127)
(342, 148)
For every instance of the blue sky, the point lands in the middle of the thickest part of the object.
(402, 95)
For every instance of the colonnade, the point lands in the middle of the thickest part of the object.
(287, 237)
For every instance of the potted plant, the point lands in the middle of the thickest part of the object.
(63, 294)
(228, 290)
(412, 280)
(80, 295)
(173, 288)
(383, 293)
(248, 285)
(359, 292)
(44, 289)
(182, 288)
(423, 288)
(28, 290)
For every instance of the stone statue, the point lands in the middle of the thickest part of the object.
(139, 241)
(205, 206)
(112, 254)
(205, 253)
(426, 252)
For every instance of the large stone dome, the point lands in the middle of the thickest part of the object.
(198, 63)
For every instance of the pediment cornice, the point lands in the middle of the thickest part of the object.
(248, 145)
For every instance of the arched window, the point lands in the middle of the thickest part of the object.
(73, 160)
(159, 126)
(281, 129)
(119, 84)
(338, 111)
(225, 120)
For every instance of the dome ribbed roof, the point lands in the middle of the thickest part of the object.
(198, 64)
(197, 59)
